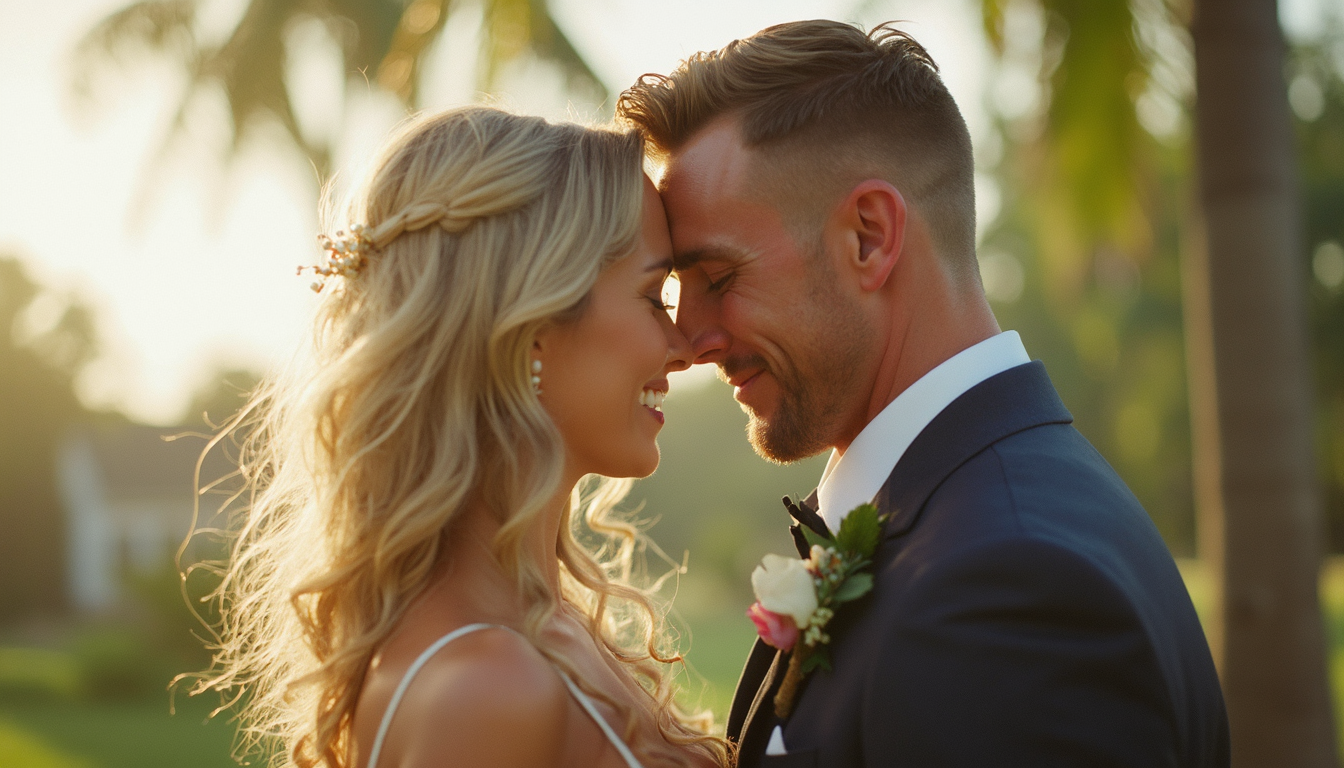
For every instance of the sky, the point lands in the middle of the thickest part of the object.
(198, 274)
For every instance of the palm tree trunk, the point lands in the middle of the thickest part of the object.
(1251, 394)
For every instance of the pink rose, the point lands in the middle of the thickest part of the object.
(775, 629)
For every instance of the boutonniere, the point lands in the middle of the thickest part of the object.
(796, 599)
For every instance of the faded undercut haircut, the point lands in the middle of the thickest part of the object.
(826, 106)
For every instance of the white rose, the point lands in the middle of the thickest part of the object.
(783, 585)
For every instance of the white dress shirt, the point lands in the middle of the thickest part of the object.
(857, 476)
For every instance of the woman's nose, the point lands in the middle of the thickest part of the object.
(679, 353)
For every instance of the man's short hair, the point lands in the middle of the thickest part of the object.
(827, 106)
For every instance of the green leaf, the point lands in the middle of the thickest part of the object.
(860, 531)
(854, 587)
(818, 659)
(855, 566)
(814, 538)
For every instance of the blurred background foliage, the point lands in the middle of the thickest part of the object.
(1090, 153)
(1316, 92)
(45, 339)
(384, 40)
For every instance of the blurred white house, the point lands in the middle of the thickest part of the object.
(127, 491)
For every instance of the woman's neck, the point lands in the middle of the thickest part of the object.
(472, 576)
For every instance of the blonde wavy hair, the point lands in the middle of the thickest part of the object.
(415, 405)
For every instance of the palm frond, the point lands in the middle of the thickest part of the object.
(1099, 146)
(159, 27)
(992, 12)
(250, 67)
(384, 39)
(551, 44)
(401, 65)
(513, 27)
(1089, 169)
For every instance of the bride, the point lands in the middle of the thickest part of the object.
(406, 589)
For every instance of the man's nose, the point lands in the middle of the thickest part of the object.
(697, 319)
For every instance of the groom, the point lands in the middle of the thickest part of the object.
(1025, 612)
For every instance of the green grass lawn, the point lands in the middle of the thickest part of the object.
(141, 734)
(67, 732)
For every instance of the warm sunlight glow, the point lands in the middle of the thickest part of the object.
(198, 273)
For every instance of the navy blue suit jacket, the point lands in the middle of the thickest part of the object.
(1025, 613)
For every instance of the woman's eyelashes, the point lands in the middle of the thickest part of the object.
(658, 303)
(657, 296)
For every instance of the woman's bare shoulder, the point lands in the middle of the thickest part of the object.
(487, 698)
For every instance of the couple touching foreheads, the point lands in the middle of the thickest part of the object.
(974, 585)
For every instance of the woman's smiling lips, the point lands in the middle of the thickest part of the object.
(652, 400)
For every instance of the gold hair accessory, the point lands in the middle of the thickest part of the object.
(346, 255)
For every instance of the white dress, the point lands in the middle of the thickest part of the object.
(434, 648)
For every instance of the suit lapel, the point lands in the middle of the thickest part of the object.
(752, 713)
(761, 717)
(754, 674)
(1017, 399)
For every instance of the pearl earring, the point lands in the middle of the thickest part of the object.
(536, 377)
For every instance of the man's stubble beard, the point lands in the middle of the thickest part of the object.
(820, 387)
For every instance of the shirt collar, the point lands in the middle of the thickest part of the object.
(857, 476)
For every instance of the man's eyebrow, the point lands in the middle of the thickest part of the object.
(687, 259)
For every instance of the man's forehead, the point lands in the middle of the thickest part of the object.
(708, 195)
(713, 163)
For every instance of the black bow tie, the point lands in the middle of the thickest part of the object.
(806, 515)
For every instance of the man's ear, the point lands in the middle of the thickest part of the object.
(876, 218)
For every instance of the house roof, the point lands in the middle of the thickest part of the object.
(142, 462)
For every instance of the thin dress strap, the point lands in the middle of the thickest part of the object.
(437, 645)
(405, 683)
(601, 721)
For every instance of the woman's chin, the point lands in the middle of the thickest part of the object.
(645, 469)
(636, 463)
